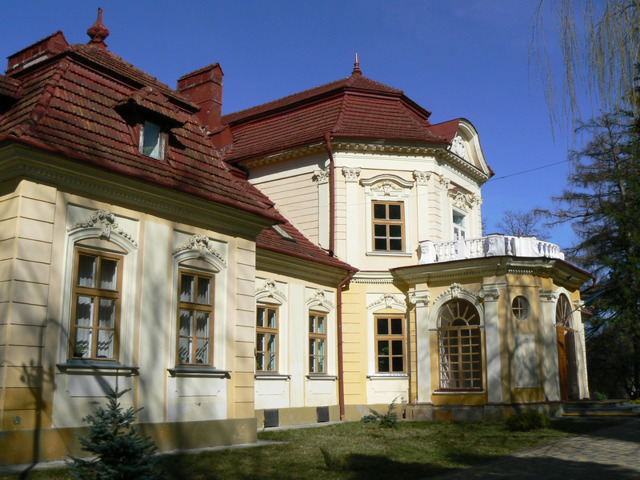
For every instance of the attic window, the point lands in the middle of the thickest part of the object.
(282, 232)
(152, 140)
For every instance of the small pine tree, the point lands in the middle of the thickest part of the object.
(121, 452)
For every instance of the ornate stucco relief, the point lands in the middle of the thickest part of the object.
(107, 223)
(201, 244)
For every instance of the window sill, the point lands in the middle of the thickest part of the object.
(388, 376)
(75, 366)
(185, 371)
(389, 254)
(321, 376)
(459, 392)
(272, 376)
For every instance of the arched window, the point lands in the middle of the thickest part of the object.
(563, 312)
(459, 346)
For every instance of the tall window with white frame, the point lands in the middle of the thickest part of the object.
(317, 342)
(195, 318)
(97, 288)
(388, 226)
(390, 344)
(459, 226)
(266, 338)
(459, 346)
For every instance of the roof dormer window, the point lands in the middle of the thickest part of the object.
(152, 140)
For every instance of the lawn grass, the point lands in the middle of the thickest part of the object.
(357, 450)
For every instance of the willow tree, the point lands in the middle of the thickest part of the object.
(598, 42)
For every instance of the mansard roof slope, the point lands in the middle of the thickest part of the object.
(353, 107)
(73, 101)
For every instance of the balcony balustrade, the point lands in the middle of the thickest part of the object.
(489, 246)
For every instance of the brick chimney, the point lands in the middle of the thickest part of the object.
(36, 53)
(204, 88)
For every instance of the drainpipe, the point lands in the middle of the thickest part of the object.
(332, 195)
(340, 351)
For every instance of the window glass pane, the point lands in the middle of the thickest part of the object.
(203, 291)
(105, 344)
(383, 364)
(383, 326)
(383, 347)
(186, 288)
(271, 362)
(185, 323)
(202, 350)
(320, 346)
(395, 231)
(84, 311)
(260, 343)
(380, 230)
(312, 323)
(312, 347)
(395, 245)
(395, 212)
(184, 350)
(260, 317)
(82, 344)
(380, 244)
(202, 325)
(396, 347)
(152, 140)
(108, 274)
(396, 326)
(271, 318)
(271, 343)
(458, 218)
(312, 364)
(321, 367)
(86, 271)
(321, 324)
(107, 313)
(260, 361)
(397, 364)
(379, 210)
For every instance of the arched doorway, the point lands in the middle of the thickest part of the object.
(567, 367)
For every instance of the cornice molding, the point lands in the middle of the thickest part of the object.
(373, 277)
(19, 161)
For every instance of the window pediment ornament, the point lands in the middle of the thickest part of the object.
(201, 244)
(269, 291)
(457, 291)
(388, 300)
(458, 147)
(461, 200)
(319, 298)
(387, 185)
(106, 222)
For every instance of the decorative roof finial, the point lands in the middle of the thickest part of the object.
(356, 67)
(98, 32)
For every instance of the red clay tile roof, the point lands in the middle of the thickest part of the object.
(69, 104)
(354, 107)
(299, 247)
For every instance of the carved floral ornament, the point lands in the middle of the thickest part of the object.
(321, 176)
(461, 200)
(351, 174)
(458, 147)
(421, 178)
(388, 300)
(320, 298)
(456, 291)
(106, 222)
(270, 290)
(201, 244)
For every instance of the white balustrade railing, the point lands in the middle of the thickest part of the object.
(489, 246)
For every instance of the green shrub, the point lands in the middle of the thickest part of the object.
(599, 396)
(385, 420)
(527, 421)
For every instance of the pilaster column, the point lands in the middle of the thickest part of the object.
(422, 203)
(491, 294)
(420, 298)
(322, 179)
(550, 376)
(353, 241)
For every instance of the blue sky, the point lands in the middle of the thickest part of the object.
(457, 59)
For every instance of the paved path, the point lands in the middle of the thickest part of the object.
(612, 453)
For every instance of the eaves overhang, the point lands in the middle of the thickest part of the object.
(561, 272)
